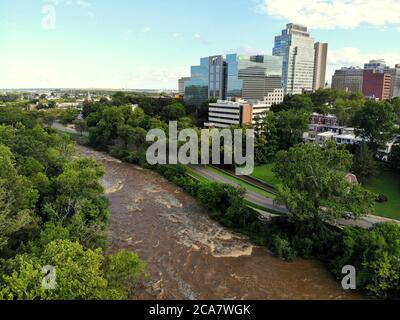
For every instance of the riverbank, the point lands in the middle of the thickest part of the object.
(190, 256)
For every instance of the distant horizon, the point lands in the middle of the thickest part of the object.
(84, 89)
(98, 44)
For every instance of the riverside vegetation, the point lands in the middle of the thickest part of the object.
(53, 212)
(313, 184)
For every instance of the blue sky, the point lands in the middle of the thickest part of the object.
(151, 43)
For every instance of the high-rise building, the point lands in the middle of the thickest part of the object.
(207, 80)
(395, 85)
(321, 56)
(181, 84)
(348, 79)
(296, 48)
(236, 77)
(377, 84)
(252, 77)
(217, 78)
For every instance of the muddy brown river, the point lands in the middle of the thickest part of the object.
(191, 256)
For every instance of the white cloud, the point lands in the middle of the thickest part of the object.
(347, 57)
(27, 72)
(201, 39)
(331, 14)
(355, 57)
(83, 3)
(177, 35)
(246, 50)
(147, 30)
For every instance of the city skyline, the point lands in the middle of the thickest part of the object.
(99, 45)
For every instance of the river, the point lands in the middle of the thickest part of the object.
(191, 256)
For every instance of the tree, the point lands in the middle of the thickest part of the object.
(266, 138)
(297, 102)
(375, 254)
(80, 126)
(376, 122)
(137, 118)
(125, 133)
(290, 127)
(394, 158)
(285, 127)
(364, 165)
(173, 112)
(123, 270)
(81, 274)
(314, 184)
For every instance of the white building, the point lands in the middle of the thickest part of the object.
(274, 97)
(223, 114)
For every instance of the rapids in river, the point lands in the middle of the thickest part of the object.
(189, 255)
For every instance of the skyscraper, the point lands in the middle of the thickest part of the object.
(395, 86)
(237, 76)
(181, 84)
(197, 90)
(296, 48)
(252, 77)
(321, 56)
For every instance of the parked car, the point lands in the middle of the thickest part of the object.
(348, 216)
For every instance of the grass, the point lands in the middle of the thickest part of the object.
(265, 173)
(244, 184)
(388, 183)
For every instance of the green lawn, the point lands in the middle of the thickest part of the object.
(388, 183)
(265, 173)
(244, 184)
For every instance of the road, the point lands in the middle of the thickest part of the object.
(58, 126)
(366, 222)
(251, 196)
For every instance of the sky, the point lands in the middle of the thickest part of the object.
(149, 44)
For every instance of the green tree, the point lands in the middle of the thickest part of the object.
(80, 126)
(173, 112)
(81, 274)
(297, 102)
(394, 158)
(364, 165)
(376, 122)
(314, 184)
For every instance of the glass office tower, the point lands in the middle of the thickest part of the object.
(208, 80)
(196, 90)
(296, 48)
(237, 76)
(252, 77)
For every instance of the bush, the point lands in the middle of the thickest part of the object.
(280, 246)
(382, 198)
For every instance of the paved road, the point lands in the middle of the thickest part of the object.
(58, 126)
(366, 222)
(251, 196)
